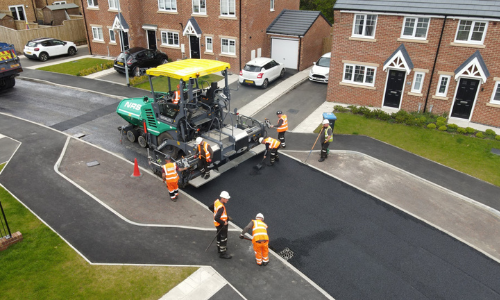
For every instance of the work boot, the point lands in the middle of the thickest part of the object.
(277, 159)
(321, 159)
(283, 145)
(207, 175)
(225, 255)
(174, 199)
(265, 263)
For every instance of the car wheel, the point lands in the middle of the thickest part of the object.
(137, 72)
(264, 84)
(282, 74)
(71, 51)
(43, 56)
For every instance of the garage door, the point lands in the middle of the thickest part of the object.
(286, 51)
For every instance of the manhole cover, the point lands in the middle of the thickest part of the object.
(292, 111)
(286, 253)
(495, 151)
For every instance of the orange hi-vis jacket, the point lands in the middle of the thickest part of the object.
(171, 172)
(284, 126)
(273, 144)
(177, 97)
(217, 206)
(205, 150)
(259, 231)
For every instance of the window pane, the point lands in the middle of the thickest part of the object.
(358, 27)
(359, 74)
(232, 8)
(422, 27)
(370, 25)
(369, 75)
(223, 7)
(173, 4)
(196, 6)
(348, 73)
(225, 46)
(477, 33)
(443, 84)
(418, 82)
(497, 93)
(203, 6)
(409, 25)
(463, 30)
(232, 47)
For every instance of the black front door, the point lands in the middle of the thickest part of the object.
(466, 94)
(195, 46)
(395, 83)
(151, 39)
(124, 40)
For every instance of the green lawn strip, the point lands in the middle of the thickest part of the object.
(43, 266)
(160, 84)
(73, 67)
(469, 155)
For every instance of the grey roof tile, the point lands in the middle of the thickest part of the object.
(294, 22)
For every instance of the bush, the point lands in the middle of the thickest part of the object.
(497, 137)
(440, 123)
(95, 69)
(442, 128)
(480, 135)
(138, 80)
(490, 132)
(410, 120)
(363, 110)
(431, 126)
(340, 108)
(452, 126)
(421, 121)
(469, 130)
(441, 119)
(354, 109)
(461, 130)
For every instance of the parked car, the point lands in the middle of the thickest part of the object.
(261, 71)
(44, 48)
(319, 72)
(139, 58)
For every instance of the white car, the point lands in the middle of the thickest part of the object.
(43, 48)
(261, 71)
(319, 72)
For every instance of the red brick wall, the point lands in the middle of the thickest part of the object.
(29, 11)
(311, 47)
(388, 31)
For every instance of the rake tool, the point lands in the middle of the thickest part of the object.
(260, 165)
(214, 238)
(314, 145)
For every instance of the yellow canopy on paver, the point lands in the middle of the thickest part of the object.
(189, 68)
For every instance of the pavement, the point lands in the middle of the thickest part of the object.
(459, 205)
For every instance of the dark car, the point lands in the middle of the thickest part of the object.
(139, 58)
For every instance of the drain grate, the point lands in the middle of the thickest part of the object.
(286, 253)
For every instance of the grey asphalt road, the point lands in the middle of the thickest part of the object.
(25, 62)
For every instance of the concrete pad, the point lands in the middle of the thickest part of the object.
(7, 148)
(463, 218)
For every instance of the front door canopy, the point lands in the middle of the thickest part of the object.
(120, 23)
(399, 59)
(473, 67)
(192, 28)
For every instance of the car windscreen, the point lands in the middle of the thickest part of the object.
(31, 44)
(252, 68)
(323, 62)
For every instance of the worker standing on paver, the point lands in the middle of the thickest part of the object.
(260, 239)
(204, 153)
(177, 96)
(282, 127)
(170, 176)
(220, 221)
(326, 139)
(272, 146)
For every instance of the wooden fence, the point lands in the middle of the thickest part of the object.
(327, 44)
(70, 30)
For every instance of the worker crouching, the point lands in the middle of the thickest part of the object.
(272, 146)
(260, 239)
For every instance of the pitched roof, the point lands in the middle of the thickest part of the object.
(469, 8)
(193, 27)
(401, 49)
(62, 6)
(483, 69)
(120, 23)
(294, 22)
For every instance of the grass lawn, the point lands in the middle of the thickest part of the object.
(43, 266)
(160, 84)
(73, 67)
(470, 155)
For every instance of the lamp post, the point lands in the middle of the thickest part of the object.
(122, 44)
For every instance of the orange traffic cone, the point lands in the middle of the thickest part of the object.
(136, 173)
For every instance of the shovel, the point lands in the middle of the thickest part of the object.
(260, 165)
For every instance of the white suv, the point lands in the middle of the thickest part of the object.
(43, 48)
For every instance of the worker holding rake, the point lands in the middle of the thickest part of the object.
(260, 239)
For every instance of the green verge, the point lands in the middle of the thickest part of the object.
(160, 84)
(469, 155)
(74, 67)
(43, 266)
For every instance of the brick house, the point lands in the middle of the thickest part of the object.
(30, 10)
(227, 30)
(430, 55)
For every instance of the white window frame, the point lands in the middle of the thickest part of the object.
(364, 83)
(413, 89)
(201, 12)
(112, 34)
(228, 46)
(493, 100)
(165, 41)
(363, 35)
(469, 41)
(16, 17)
(97, 33)
(113, 4)
(228, 5)
(207, 43)
(412, 36)
(92, 3)
(439, 85)
(171, 7)
(59, 2)
(272, 5)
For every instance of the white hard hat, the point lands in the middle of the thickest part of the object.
(325, 121)
(199, 140)
(225, 195)
(259, 215)
(261, 139)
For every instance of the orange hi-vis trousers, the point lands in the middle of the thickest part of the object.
(261, 252)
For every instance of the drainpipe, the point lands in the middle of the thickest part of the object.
(182, 30)
(240, 40)
(434, 66)
(86, 28)
(300, 48)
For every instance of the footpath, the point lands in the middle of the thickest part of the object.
(467, 208)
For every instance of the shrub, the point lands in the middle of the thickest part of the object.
(452, 126)
(138, 80)
(480, 135)
(369, 114)
(497, 137)
(354, 109)
(461, 130)
(469, 130)
(441, 119)
(410, 120)
(340, 108)
(363, 110)
(442, 128)
(431, 126)
(421, 121)
(95, 69)
(382, 115)
(490, 132)
(440, 123)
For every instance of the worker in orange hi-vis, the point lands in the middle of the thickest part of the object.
(260, 239)
(281, 127)
(272, 146)
(204, 153)
(170, 176)
(177, 96)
